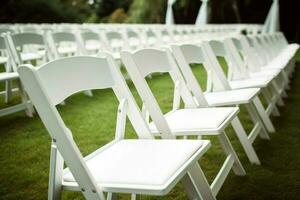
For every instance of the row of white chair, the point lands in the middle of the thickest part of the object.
(146, 165)
(53, 45)
(19, 28)
(45, 46)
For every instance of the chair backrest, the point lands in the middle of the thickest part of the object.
(218, 48)
(134, 40)
(144, 62)
(89, 35)
(63, 37)
(196, 54)
(21, 39)
(6, 30)
(151, 38)
(49, 84)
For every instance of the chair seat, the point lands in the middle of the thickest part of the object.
(4, 76)
(291, 50)
(266, 72)
(257, 82)
(197, 120)
(67, 50)
(93, 46)
(141, 164)
(231, 97)
(3, 59)
(30, 56)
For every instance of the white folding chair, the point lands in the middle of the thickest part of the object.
(193, 120)
(91, 43)
(150, 38)
(63, 44)
(256, 67)
(134, 40)
(28, 48)
(8, 76)
(138, 166)
(219, 92)
(114, 42)
(239, 78)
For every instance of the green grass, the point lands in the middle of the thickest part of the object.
(25, 146)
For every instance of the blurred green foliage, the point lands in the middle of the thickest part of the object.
(44, 11)
(130, 11)
(147, 11)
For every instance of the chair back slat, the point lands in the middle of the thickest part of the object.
(21, 39)
(88, 35)
(192, 54)
(63, 37)
(151, 61)
(96, 75)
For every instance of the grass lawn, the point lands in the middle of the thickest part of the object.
(25, 147)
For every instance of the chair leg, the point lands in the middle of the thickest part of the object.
(135, 197)
(274, 88)
(263, 115)
(8, 91)
(256, 119)
(111, 196)
(227, 147)
(30, 110)
(269, 99)
(286, 80)
(56, 173)
(241, 133)
(196, 184)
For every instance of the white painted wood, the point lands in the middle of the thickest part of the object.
(193, 54)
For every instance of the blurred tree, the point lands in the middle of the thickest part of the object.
(186, 11)
(146, 11)
(104, 8)
(42, 11)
